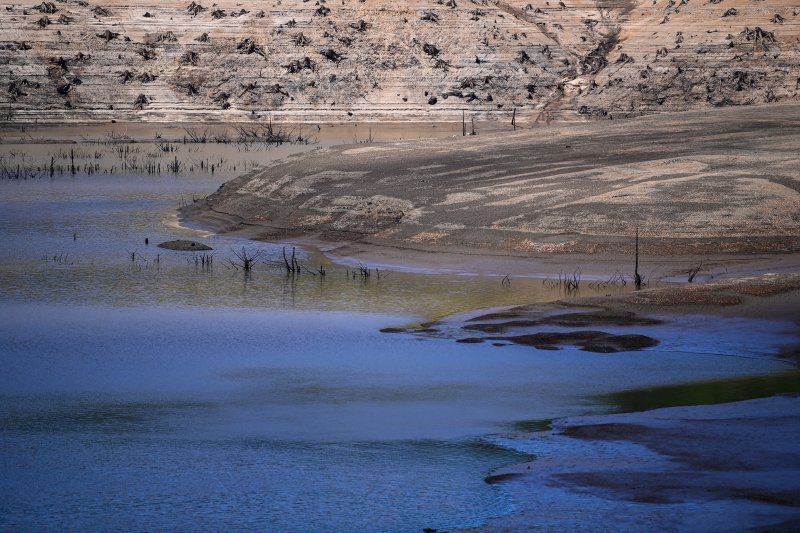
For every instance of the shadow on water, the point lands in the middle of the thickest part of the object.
(705, 392)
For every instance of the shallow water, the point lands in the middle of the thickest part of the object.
(150, 393)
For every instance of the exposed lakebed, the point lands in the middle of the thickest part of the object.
(142, 390)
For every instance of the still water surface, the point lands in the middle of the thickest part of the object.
(149, 393)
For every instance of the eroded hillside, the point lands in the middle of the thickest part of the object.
(78, 60)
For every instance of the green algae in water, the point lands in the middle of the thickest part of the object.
(706, 392)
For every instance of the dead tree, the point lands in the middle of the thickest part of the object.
(332, 55)
(431, 49)
(141, 101)
(148, 54)
(190, 58)
(47, 7)
(637, 279)
(126, 76)
(360, 25)
(298, 65)
(194, 8)
(430, 16)
(248, 46)
(301, 40)
(245, 260)
(108, 35)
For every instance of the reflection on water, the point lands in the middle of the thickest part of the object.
(82, 241)
(142, 391)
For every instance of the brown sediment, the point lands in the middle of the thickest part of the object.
(728, 187)
(588, 341)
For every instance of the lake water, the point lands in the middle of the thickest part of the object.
(142, 391)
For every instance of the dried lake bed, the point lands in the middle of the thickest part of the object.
(142, 390)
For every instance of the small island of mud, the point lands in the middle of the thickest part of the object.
(185, 246)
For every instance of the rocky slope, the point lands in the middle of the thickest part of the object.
(97, 60)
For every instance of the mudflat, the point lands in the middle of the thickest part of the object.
(694, 183)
